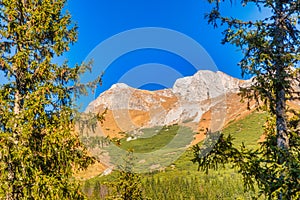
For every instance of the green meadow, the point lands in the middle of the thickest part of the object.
(180, 179)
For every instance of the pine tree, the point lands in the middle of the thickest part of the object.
(128, 184)
(39, 148)
(271, 53)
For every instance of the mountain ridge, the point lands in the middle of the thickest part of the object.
(177, 85)
(185, 103)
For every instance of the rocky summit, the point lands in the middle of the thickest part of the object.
(206, 100)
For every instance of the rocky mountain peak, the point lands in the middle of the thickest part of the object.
(205, 85)
(188, 100)
(119, 86)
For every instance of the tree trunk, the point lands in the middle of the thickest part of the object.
(281, 125)
(280, 109)
(11, 174)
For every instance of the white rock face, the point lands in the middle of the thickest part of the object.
(205, 85)
(173, 115)
(189, 98)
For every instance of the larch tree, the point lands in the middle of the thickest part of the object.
(271, 55)
(39, 147)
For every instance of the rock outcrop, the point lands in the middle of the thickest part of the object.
(189, 99)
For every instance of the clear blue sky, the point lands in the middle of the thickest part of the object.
(99, 20)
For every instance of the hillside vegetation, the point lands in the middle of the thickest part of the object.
(181, 180)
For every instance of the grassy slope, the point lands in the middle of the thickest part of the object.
(247, 130)
(151, 142)
(158, 149)
(221, 184)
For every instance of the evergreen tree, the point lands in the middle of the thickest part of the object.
(271, 53)
(128, 184)
(39, 148)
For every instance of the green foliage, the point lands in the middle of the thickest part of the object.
(271, 53)
(280, 179)
(181, 180)
(86, 123)
(258, 166)
(95, 141)
(128, 184)
(211, 187)
(39, 148)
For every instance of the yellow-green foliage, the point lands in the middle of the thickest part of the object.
(39, 149)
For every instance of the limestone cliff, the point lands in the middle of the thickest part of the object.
(185, 103)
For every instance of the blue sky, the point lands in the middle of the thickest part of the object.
(99, 20)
